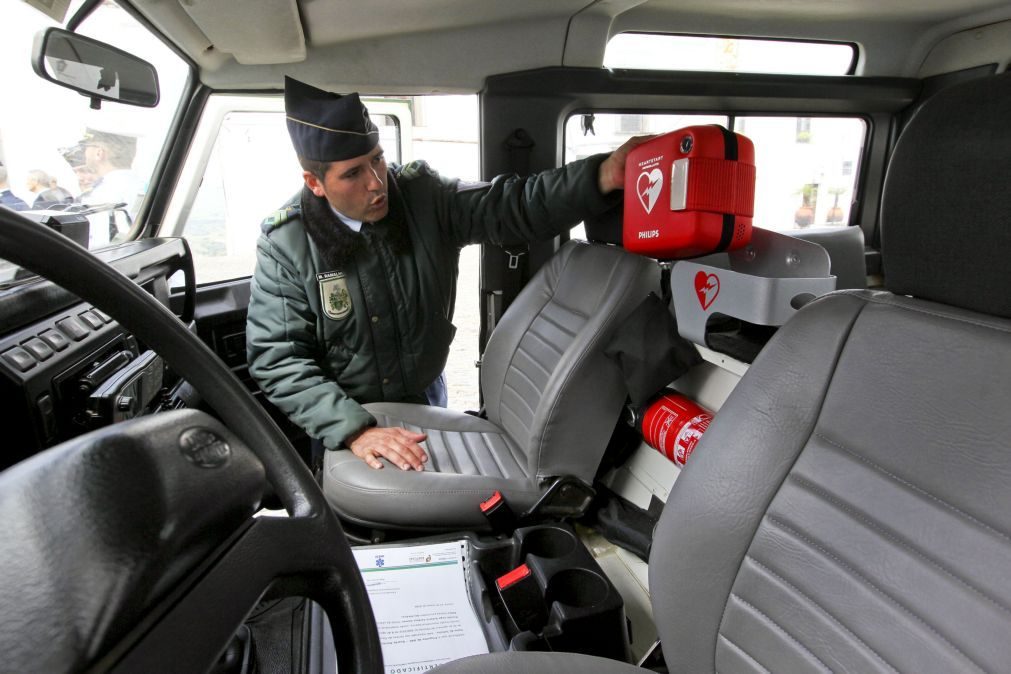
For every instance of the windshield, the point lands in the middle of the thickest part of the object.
(57, 153)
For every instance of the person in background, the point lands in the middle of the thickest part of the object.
(85, 176)
(47, 192)
(109, 157)
(8, 198)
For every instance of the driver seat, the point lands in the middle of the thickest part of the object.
(552, 398)
(849, 509)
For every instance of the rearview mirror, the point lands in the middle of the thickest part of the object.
(94, 69)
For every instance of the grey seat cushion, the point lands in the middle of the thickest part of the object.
(457, 443)
(469, 459)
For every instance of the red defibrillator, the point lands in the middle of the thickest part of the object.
(689, 192)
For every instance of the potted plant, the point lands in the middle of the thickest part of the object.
(804, 215)
(835, 213)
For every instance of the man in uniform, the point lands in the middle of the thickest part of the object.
(109, 158)
(355, 281)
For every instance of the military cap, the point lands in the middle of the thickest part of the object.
(122, 148)
(325, 126)
(117, 141)
(74, 155)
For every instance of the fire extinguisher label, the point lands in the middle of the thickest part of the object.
(673, 425)
(689, 437)
(666, 419)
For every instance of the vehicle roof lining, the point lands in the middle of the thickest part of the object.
(377, 44)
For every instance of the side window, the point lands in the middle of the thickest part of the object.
(806, 173)
(242, 167)
(807, 166)
(248, 172)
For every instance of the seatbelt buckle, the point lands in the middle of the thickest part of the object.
(498, 513)
(514, 259)
(522, 599)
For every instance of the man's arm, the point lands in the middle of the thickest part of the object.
(512, 210)
(281, 344)
(282, 352)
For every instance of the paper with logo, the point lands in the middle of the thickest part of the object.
(422, 606)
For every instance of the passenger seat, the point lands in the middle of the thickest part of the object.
(552, 399)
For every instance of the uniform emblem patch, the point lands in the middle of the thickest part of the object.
(334, 295)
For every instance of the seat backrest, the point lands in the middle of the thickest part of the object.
(544, 375)
(850, 507)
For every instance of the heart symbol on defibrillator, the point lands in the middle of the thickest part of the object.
(707, 287)
(648, 188)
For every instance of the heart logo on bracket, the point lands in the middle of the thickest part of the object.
(707, 287)
(648, 188)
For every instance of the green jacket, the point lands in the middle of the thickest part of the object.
(338, 318)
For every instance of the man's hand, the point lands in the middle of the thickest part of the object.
(612, 171)
(397, 445)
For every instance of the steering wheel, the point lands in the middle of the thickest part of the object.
(134, 548)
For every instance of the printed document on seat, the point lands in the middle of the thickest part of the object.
(422, 606)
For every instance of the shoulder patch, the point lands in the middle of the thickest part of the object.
(415, 169)
(278, 218)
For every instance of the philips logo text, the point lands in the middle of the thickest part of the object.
(651, 234)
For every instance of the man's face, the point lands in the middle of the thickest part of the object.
(355, 187)
(85, 177)
(93, 154)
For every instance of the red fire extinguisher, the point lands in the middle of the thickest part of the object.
(672, 424)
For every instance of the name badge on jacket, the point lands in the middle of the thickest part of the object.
(334, 295)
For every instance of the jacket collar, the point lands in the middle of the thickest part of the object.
(337, 243)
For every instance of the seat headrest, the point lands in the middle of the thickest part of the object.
(946, 206)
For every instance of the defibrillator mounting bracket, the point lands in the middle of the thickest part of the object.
(764, 283)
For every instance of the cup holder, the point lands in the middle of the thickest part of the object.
(549, 542)
(565, 602)
(579, 588)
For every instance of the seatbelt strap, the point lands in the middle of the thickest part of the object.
(519, 145)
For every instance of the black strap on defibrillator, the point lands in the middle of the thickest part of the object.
(665, 290)
(729, 152)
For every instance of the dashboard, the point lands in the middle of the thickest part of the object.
(67, 368)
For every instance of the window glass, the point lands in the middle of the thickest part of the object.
(242, 167)
(650, 51)
(251, 172)
(805, 169)
(59, 153)
(806, 166)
